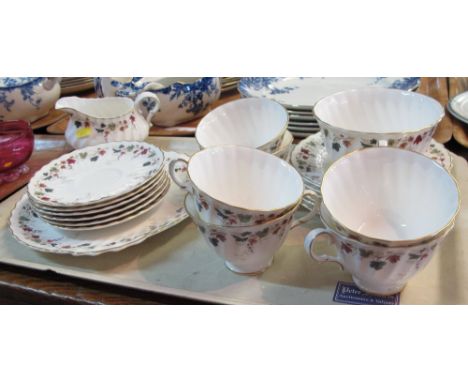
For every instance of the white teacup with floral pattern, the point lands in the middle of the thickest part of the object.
(240, 186)
(376, 117)
(251, 122)
(249, 249)
(284, 150)
(376, 270)
(390, 197)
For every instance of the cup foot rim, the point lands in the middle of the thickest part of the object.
(239, 271)
(383, 291)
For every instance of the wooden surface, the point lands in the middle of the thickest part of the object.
(19, 285)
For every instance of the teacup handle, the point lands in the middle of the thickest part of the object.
(173, 173)
(310, 214)
(50, 82)
(309, 246)
(147, 104)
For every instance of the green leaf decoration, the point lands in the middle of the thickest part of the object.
(325, 132)
(336, 146)
(146, 164)
(214, 241)
(218, 212)
(94, 159)
(247, 233)
(391, 142)
(240, 239)
(263, 232)
(365, 252)
(414, 256)
(48, 190)
(377, 265)
(244, 218)
(83, 155)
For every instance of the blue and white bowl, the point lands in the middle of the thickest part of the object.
(181, 98)
(27, 98)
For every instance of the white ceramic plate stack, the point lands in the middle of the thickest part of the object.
(229, 83)
(71, 85)
(99, 186)
(299, 94)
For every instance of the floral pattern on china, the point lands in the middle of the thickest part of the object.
(248, 238)
(29, 229)
(27, 98)
(304, 92)
(95, 174)
(96, 121)
(378, 259)
(342, 142)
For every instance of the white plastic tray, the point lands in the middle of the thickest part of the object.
(178, 262)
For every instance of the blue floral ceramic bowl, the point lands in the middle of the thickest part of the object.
(27, 98)
(181, 98)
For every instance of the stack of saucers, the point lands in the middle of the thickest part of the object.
(99, 186)
(71, 85)
(299, 94)
(229, 83)
(243, 201)
(250, 122)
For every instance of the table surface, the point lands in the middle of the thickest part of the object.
(20, 285)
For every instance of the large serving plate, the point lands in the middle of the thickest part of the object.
(308, 157)
(29, 229)
(303, 92)
(458, 107)
(95, 174)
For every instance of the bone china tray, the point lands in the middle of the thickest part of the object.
(178, 262)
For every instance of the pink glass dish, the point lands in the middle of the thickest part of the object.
(16, 147)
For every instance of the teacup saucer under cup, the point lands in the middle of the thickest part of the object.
(308, 157)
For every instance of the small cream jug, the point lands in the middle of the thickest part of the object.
(99, 120)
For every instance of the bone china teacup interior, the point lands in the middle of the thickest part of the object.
(250, 122)
(390, 196)
(370, 117)
(240, 186)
